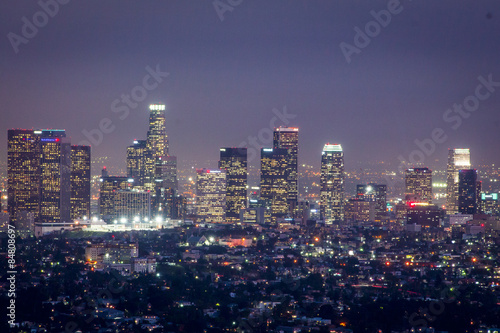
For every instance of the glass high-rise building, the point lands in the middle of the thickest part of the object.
(288, 138)
(136, 161)
(110, 185)
(274, 187)
(23, 173)
(418, 181)
(80, 182)
(234, 162)
(55, 165)
(211, 195)
(332, 183)
(156, 144)
(458, 159)
(467, 191)
(166, 187)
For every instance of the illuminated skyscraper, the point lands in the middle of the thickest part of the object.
(376, 193)
(234, 161)
(110, 185)
(157, 134)
(55, 165)
(23, 172)
(80, 181)
(332, 183)
(467, 191)
(211, 195)
(457, 159)
(273, 181)
(418, 181)
(156, 143)
(136, 161)
(166, 188)
(288, 138)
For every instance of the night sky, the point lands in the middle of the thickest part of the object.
(226, 76)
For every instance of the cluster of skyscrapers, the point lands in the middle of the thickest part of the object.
(150, 188)
(48, 178)
(49, 182)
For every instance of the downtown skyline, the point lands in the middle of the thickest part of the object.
(225, 78)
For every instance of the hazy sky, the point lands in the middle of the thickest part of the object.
(226, 76)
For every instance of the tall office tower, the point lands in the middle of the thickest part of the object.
(55, 165)
(211, 195)
(274, 182)
(467, 191)
(136, 161)
(157, 134)
(80, 182)
(156, 143)
(234, 161)
(418, 181)
(458, 159)
(23, 173)
(166, 188)
(376, 193)
(110, 185)
(332, 183)
(288, 138)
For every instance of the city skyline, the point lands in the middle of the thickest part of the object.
(222, 93)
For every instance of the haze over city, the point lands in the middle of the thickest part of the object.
(226, 76)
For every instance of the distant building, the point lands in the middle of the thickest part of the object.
(211, 195)
(144, 265)
(166, 187)
(288, 138)
(376, 193)
(80, 182)
(424, 214)
(489, 203)
(302, 211)
(332, 183)
(419, 182)
(132, 205)
(457, 159)
(273, 181)
(156, 143)
(55, 165)
(234, 162)
(252, 215)
(360, 210)
(467, 191)
(23, 173)
(136, 155)
(110, 185)
(25, 224)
